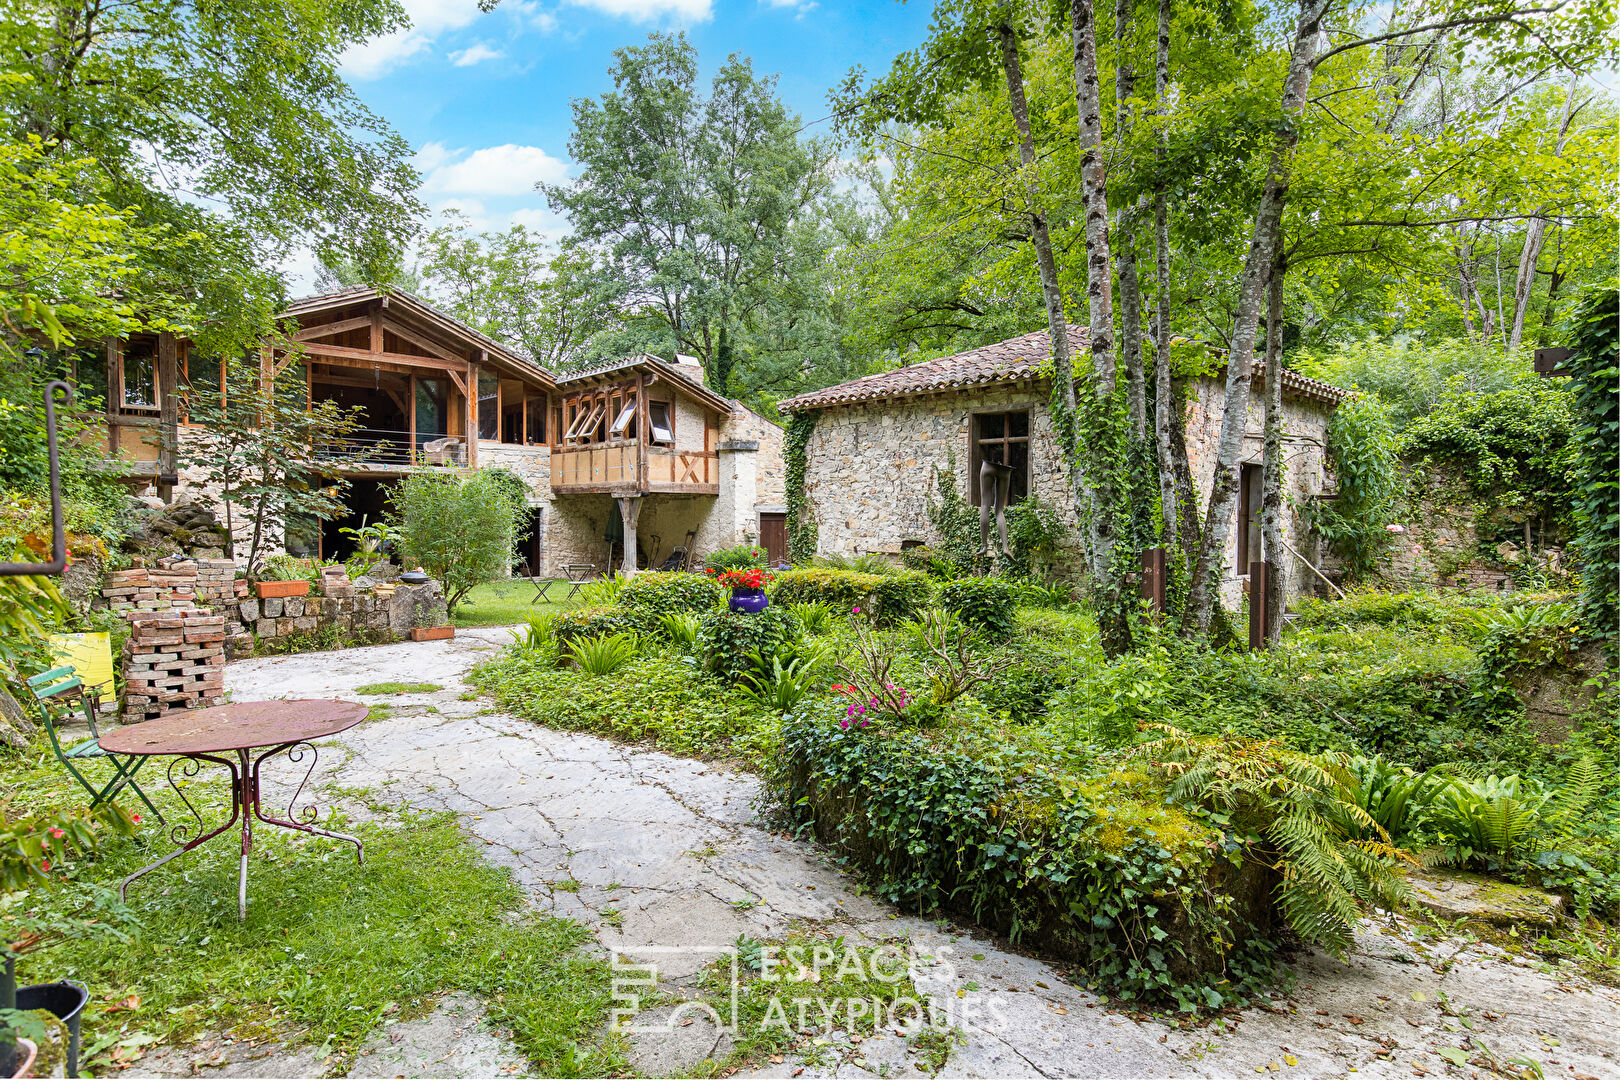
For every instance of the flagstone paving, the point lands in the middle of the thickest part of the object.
(652, 851)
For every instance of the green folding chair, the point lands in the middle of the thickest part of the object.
(56, 692)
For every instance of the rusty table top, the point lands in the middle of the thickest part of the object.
(240, 726)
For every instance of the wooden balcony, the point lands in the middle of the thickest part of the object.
(624, 467)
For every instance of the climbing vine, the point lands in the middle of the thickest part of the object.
(801, 523)
(1595, 367)
(1361, 446)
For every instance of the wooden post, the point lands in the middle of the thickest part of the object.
(1258, 581)
(1153, 579)
(115, 392)
(410, 417)
(472, 415)
(376, 330)
(630, 513)
(168, 385)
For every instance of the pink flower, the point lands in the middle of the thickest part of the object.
(844, 724)
(46, 865)
(135, 818)
(856, 611)
(58, 833)
(1395, 528)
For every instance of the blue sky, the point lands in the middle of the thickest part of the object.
(484, 99)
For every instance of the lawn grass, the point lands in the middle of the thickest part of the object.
(506, 603)
(378, 689)
(330, 951)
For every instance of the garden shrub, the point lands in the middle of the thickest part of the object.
(984, 603)
(884, 598)
(1096, 868)
(662, 698)
(1362, 447)
(663, 593)
(1594, 369)
(725, 638)
(740, 557)
(574, 624)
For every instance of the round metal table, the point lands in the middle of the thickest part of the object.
(243, 731)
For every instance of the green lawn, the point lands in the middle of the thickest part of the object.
(506, 603)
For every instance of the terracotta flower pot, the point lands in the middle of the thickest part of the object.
(268, 589)
(23, 1055)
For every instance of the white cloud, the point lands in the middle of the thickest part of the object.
(802, 7)
(652, 10)
(428, 17)
(494, 170)
(431, 156)
(476, 53)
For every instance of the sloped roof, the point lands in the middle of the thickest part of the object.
(670, 372)
(518, 358)
(1005, 361)
(1013, 360)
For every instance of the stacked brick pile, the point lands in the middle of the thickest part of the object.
(216, 582)
(140, 589)
(173, 660)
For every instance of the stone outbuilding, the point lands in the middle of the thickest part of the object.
(876, 442)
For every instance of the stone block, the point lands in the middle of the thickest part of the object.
(416, 605)
(248, 610)
(305, 624)
(272, 606)
(294, 606)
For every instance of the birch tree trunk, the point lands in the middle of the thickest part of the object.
(1256, 272)
(1109, 447)
(1534, 236)
(1164, 398)
(1046, 264)
(1130, 282)
(1272, 468)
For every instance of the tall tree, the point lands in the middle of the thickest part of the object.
(691, 200)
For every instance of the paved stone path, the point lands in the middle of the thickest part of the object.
(652, 851)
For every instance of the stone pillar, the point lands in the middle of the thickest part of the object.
(630, 513)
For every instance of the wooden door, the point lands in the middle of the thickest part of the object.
(773, 537)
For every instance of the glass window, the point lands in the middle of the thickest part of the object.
(624, 425)
(432, 409)
(489, 418)
(1002, 438)
(537, 421)
(140, 375)
(661, 422)
(90, 379)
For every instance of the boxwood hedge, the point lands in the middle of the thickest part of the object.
(884, 598)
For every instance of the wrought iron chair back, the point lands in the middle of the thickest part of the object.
(56, 694)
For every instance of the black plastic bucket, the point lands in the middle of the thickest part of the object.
(64, 1000)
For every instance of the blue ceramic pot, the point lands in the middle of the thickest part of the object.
(748, 601)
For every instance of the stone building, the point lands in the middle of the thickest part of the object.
(622, 463)
(877, 441)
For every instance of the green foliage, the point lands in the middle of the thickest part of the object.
(261, 452)
(457, 527)
(1493, 816)
(540, 635)
(884, 598)
(1391, 797)
(604, 590)
(778, 684)
(681, 628)
(369, 538)
(868, 562)
(1034, 533)
(1287, 806)
(30, 609)
(1361, 446)
(955, 520)
(664, 593)
(603, 654)
(1411, 378)
(658, 697)
(1595, 371)
(574, 624)
(814, 618)
(741, 557)
(1089, 863)
(1514, 447)
(801, 523)
(726, 639)
(984, 603)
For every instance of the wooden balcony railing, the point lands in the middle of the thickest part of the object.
(627, 466)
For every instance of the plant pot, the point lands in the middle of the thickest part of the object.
(269, 589)
(748, 601)
(18, 1060)
(64, 1000)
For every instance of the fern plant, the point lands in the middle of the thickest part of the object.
(600, 593)
(681, 627)
(1494, 817)
(1291, 805)
(1389, 793)
(538, 636)
(778, 685)
(815, 618)
(603, 654)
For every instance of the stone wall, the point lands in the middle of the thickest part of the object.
(743, 426)
(870, 466)
(359, 616)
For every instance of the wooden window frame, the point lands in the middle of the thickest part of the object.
(976, 457)
(124, 406)
(669, 413)
(1249, 494)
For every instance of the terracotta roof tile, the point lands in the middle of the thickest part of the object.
(1005, 361)
(1012, 360)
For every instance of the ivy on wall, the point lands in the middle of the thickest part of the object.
(1361, 445)
(801, 523)
(1594, 334)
